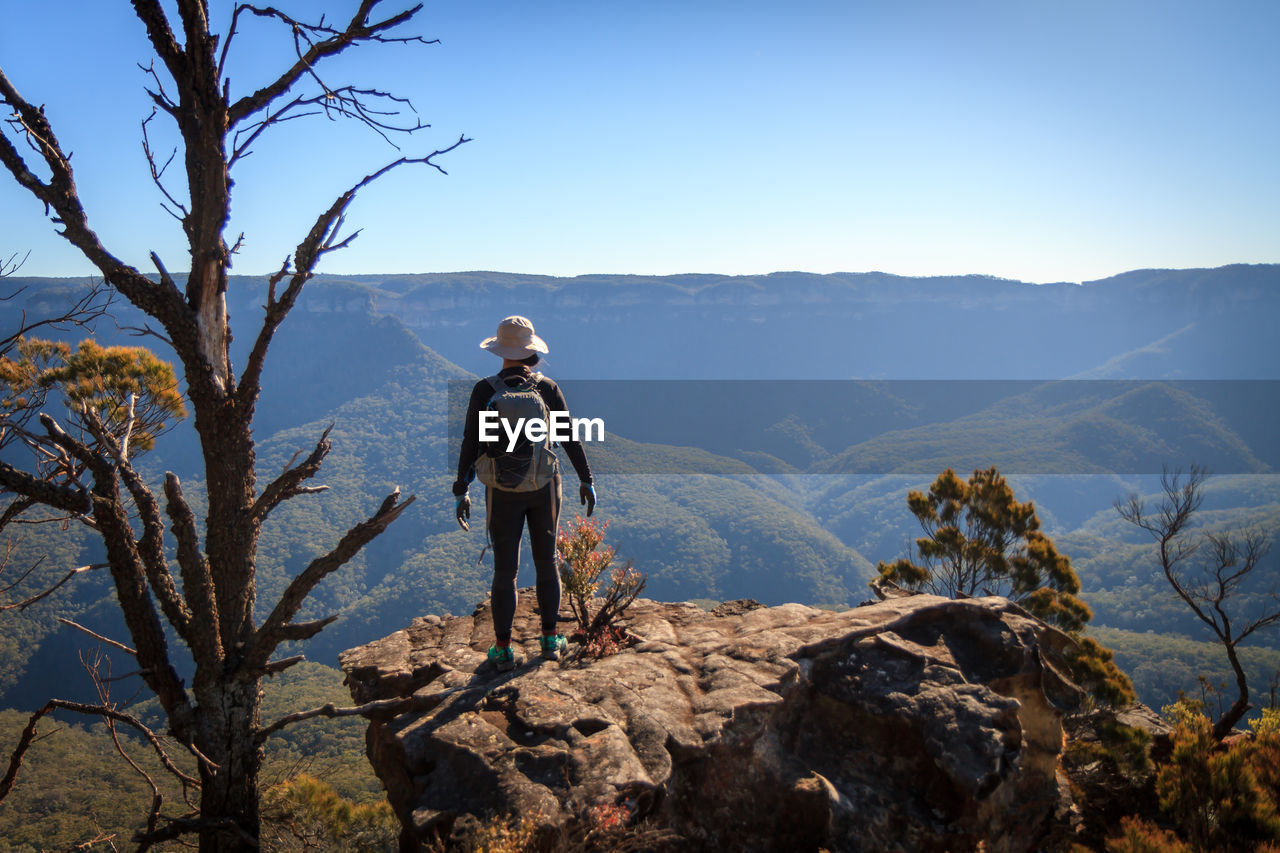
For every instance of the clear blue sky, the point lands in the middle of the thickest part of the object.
(1032, 140)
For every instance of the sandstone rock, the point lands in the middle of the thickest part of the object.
(918, 723)
(1110, 765)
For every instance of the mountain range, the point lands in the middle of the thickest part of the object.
(762, 431)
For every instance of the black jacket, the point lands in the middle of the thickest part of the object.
(480, 395)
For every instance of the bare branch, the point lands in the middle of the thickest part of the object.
(1182, 499)
(150, 547)
(321, 240)
(158, 95)
(59, 192)
(95, 482)
(131, 420)
(378, 709)
(277, 666)
(189, 824)
(59, 195)
(4, 566)
(131, 584)
(323, 42)
(81, 313)
(340, 102)
(104, 699)
(274, 630)
(11, 512)
(197, 579)
(228, 38)
(29, 736)
(157, 174)
(305, 630)
(101, 639)
(289, 483)
(23, 605)
(244, 137)
(161, 35)
(12, 264)
(107, 838)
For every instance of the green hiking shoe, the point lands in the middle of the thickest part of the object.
(503, 658)
(553, 646)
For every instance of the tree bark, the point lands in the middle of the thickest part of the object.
(229, 792)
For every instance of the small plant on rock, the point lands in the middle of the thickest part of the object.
(584, 564)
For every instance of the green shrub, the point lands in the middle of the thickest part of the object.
(583, 567)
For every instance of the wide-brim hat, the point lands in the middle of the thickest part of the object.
(515, 339)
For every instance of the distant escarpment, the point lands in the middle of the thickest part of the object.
(917, 723)
(1182, 324)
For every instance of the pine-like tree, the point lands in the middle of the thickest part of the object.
(980, 540)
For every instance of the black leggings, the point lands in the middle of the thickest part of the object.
(507, 512)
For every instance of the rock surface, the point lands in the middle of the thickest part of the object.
(1109, 762)
(917, 723)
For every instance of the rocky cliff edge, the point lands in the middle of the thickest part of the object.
(918, 723)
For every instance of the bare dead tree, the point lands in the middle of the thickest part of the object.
(11, 264)
(1208, 571)
(88, 474)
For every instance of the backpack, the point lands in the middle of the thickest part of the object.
(529, 465)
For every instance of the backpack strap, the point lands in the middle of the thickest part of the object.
(488, 520)
(499, 383)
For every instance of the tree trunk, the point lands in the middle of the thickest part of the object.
(229, 795)
(231, 534)
(1241, 706)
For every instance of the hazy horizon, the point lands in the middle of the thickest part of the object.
(23, 274)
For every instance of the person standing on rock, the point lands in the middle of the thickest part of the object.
(522, 480)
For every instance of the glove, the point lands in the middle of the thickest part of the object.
(463, 511)
(587, 495)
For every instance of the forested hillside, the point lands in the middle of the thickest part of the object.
(787, 483)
